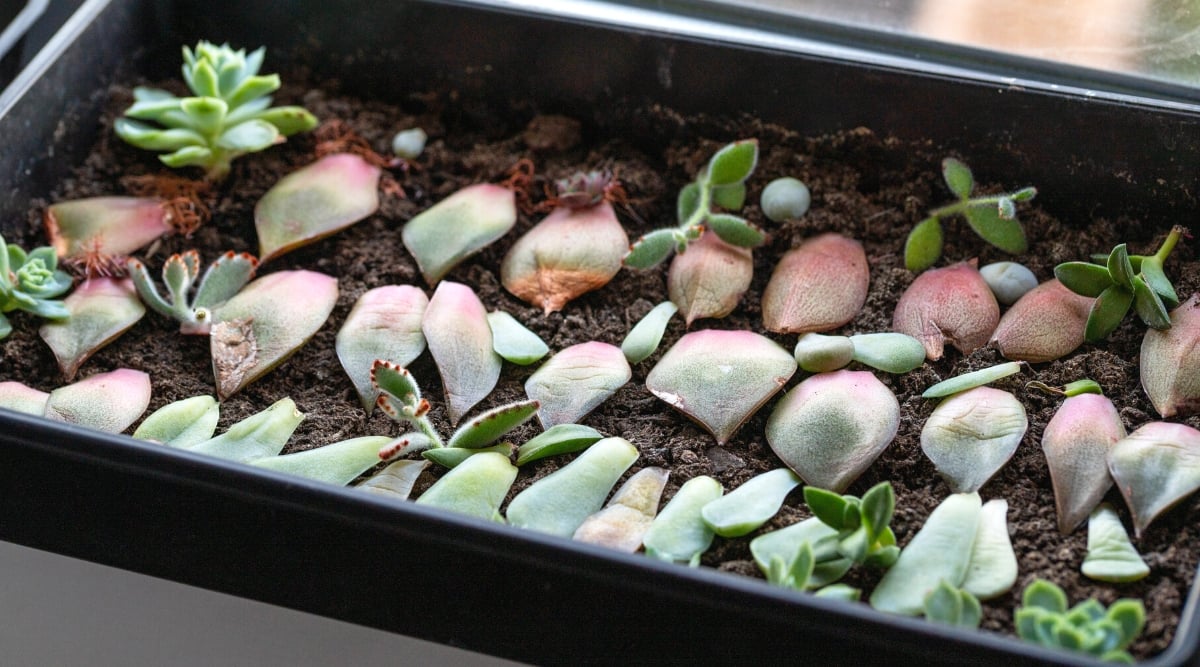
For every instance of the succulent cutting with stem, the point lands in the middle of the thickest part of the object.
(228, 115)
(223, 278)
(29, 282)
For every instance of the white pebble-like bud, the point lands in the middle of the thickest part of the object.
(1009, 281)
(408, 144)
(785, 199)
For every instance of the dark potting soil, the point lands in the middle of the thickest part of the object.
(869, 187)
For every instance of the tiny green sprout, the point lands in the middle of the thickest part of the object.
(953, 606)
(994, 218)
(29, 282)
(1043, 618)
(228, 115)
(802, 556)
(722, 183)
(1122, 282)
(863, 534)
(223, 279)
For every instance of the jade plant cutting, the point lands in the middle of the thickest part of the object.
(229, 113)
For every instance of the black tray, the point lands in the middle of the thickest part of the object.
(402, 568)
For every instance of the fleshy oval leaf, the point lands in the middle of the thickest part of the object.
(488, 427)
(709, 279)
(1009, 281)
(1110, 555)
(1083, 278)
(721, 378)
(1003, 232)
(679, 534)
(337, 463)
(977, 378)
(952, 305)
(923, 247)
(459, 226)
(260, 435)
(817, 287)
(888, 352)
(385, 323)
(577, 380)
(733, 163)
(1046, 324)
(183, 423)
(958, 177)
(22, 398)
(783, 546)
(475, 487)
(735, 230)
(113, 225)
(971, 435)
(817, 353)
(992, 569)
(108, 402)
(750, 505)
(1107, 312)
(101, 310)
(460, 340)
(628, 515)
(1155, 467)
(396, 481)
(1076, 443)
(643, 339)
(650, 250)
(263, 325)
(832, 426)
(1170, 362)
(558, 439)
(514, 342)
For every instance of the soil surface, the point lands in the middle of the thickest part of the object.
(870, 187)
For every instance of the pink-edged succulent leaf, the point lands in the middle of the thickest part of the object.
(460, 340)
(475, 487)
(1155, 467)
(577, 380)
(101, 310)
(108, 402)
(19, 397)
(1076, 444)
(111, 225)
(513, 341)
(1045, 324)
(260, 435)
(459, 226)
(396, 481)
(709, 279)
(721, 378)
(628, 515)
(817, 287)
(488, 427)
(832, 426)
(1170, 362)
(951, 304)
(385, 323)
(569, 253)
(338, 463)
(315, 201)
(971, 435)
(265, 323)
(185, 423)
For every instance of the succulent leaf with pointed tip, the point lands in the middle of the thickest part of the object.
(1076, 442)
(1170, 362)
(460, 340)
(260, 435)
(972, 379)
(513, 341)
(862, 531)
(558, 439)
(1110, 556)
(818, 286)
(679, 533)
(222, 280)
(629, 513)
(971, 435)
(385, 323)
(400, 398)
(183, 423)
(951, 304)
(475, 487)
(108, 402)
(709, 279)
(577, 380)
(750, 505)
(488, 427)
(802, 556)
(29, 282)
(101, 310)
(113, 226)
(1155, 467)
(459, 226)
(337, 463)
(450, 457)
(643, 339)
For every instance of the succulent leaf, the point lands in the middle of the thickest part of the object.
(385, 323)
(558, 439)
(1076, 442)
(1084, 278)
(459, 226)
(183, 423)
(817, 287)
(450, 457)
(577, 380)
(1107, 312)
(992, 569)
(958, 177)
(785, 546)
(1155, 467)
(1003, 232)
(258, 436)
(1170, 362)
(951, 606)
(1110, 556)
(733, 163)
(679, 534)
(710, 278)
(628, 515)
(475, 487)
(460, 340)
(1009, 281)
(971, 435)
(1120, 271)
(923, 247)
(651, 249)
(101, 309)
(750, 505)
(952, 305)
(1045, 324)
(735, 230)
(784, 198)
(888, 352)
(108, 402)
(513, 341)
(337, 463)
(977, 378)
(643, 339)
(488, 427)
(1149, 306)
(396, 480)
(22, 398)
(816, 353)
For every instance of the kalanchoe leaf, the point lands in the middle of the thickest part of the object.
(1149, 306)
(978, 378)
(22, 398)
(337, 463)
(1170, 362)
(488, 427)
(832, 426)
(577, 380)
(1046, 324)
(1155, 467)
(750, 505)
(889, 352)
(679, 534)
(475, 487)
(450, 457)
(733, 163)
(1005, 233)
(643, 339)
(108, 402)
(385, 323)
(398, 389)
(1076, 442)
(511, 340)
(183, 424)
(262, 326)
(710, 278)
(720, 378)
(817, 287)
(1107, 312)
(971, 435)
(816, 353)
(1084, 278)
(952, 606)
(651, 249)
(315, 201)
(1120, 271)
(222, 280)
(948, 305)
(396, 480)
(735, 230)
(1009, 281)
(940, 551)
(460, 340)
(571, 252)
(101, 310)
(559, 439)
(992, 570)
(1110, 556)
(260, 435)
(113, 225)
(459, 226)
(923, 247)
(958, 177)
(559, 503)
(628, 515)
(784, 198)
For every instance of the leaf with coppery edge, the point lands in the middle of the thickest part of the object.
(491, 425)
(571, 252)
(108, 402)
(183, 423)
(1170, 362)
(952, 305)
(101, 310)
(385, 323)
(1155, 467)
(459, 226)
(817, 287)
(721, 378)
(577, 380)
(628, 515)
(1076, 442)
(265, 323)
(1045, 324)
(22, 398)
(337, 463)
(709, 279)
(111, 225)
(315, 201)
(460, 340)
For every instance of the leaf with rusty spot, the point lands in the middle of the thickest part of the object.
(577, 380)
(721, 378)
(460, 340)
(459, 226)
(490, 426)
(818, 286)
(315, 201)
(111, 225)
(952, 305)
(628, 515)
(709, 279)
(108, 402)
(385, 323)
(101, 310)
(338, 463)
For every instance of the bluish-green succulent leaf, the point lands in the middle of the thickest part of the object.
(251, 88)
(188, 156)
(288, 120)
(688, 202)
(827, 506)
(248, 137)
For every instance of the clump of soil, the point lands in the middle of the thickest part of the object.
(866, 186)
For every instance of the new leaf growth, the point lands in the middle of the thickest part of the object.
(29, 282)
(862, 524)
